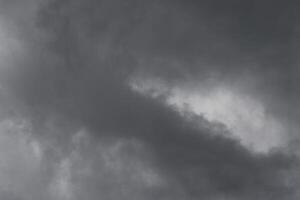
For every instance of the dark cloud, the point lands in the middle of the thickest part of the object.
(75, 73)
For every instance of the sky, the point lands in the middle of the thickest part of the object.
(149, 100)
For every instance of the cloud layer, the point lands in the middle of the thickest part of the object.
(119, 100)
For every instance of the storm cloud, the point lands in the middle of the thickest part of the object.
(149, 100)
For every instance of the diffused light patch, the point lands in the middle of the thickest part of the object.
(10, 46)
(122, 157)
(2, 39)
(62, 187)
(4, 42)
(116, 166)
(20, 156)
(245, 117)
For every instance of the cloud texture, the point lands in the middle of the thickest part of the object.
(149, 100)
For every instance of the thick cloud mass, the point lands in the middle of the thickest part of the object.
(94, 84)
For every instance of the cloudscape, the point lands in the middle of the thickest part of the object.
(149, 100)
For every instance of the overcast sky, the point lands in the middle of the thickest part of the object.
(149, 100)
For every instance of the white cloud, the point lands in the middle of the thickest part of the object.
(245, 117)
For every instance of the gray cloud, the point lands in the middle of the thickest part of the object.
(74, 73)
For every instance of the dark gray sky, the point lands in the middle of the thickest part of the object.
(144, 100)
